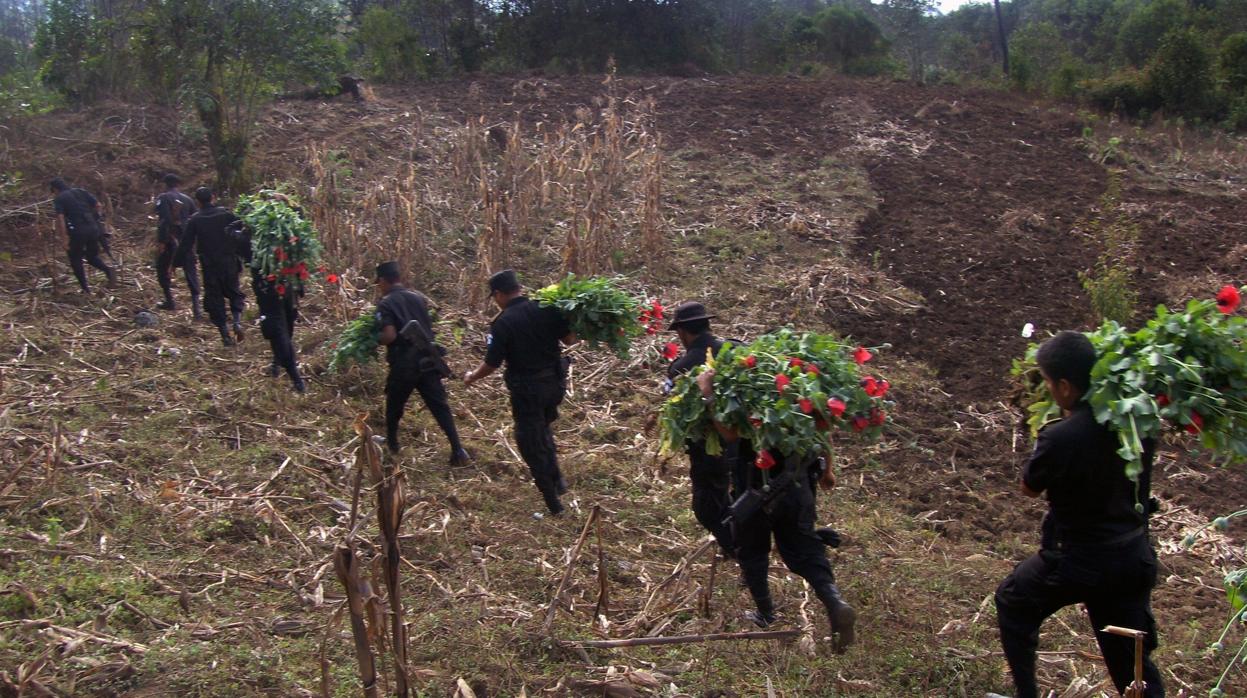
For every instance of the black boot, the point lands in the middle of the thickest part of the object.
(297, 381)
(274, 369)
(226, 338)
(765, 615)
(168, 303)
(829, 536)
(196, 311)
(840, 615)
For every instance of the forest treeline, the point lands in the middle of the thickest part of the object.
(218, 59)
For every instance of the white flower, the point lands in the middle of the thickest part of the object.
(1027, 330)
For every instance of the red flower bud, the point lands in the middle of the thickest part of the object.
(281, 289)
(670, 351)
(781, 382)
(651, 330)
(882, 388)
(271, 277)
(755, 422)
(765, 461)
(862, 355)
(836, 407)
(1162, 400)
(1228, 299)
(860, 423)
(878, 417)
(1196, 425)
(795, 362)
(811, 369)
(658, 310)
(871, 385)
(332, 278)
(807, 405)
(750, 362)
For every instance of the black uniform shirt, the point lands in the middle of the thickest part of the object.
(1090, 499)
(526, 336)
(695, 355)
(78, 207)
(399, 307)
(165, 205)
(207, 227)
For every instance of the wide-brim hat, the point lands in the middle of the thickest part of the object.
(688, 312)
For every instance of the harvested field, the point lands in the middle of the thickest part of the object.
(168, 514)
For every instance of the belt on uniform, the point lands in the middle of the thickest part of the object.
(1114, 541)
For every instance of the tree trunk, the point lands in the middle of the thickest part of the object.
(1004, 46)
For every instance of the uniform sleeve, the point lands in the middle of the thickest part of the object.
(1047, 463)
(386, 315)
(185, 244)
(58, 204)
(498, 345)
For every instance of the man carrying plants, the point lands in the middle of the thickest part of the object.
(413, 364)
(526, 336)
(710, 475)
(1094, 547)
(78, 218)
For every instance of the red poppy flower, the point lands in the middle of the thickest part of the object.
(807, 405)
(878, 417)
(755, 422)
(862, 355)
(651, 330)
(303, 275)
(750, 362)
(1228, 299)
(836, 406)
(332, 278)
(658, 310)
(795, 362)
(322, 269)
(293, 239)
(279, 253)
(281, 289)
(644, 317)
(871, 385)
(764, 461)
(781, 382)
(811, 369)
(1196, 425)
(860, 423)
(882, 388)
(271, 277)
(670, 351)
(1162, 400)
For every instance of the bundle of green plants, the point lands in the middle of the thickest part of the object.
(284, 245)
(785, 391)
(1183, 370)
(600, 311)
(357, 343)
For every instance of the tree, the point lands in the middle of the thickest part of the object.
(1233, 62)
(910, 23)
(846, 34)
(240, 52)
(1181, 72)
(1141, 32)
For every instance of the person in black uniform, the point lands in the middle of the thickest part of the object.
(788, 516)
(212, 229)
(1094, 548)
(78, 217)
(710, 475)
(173, 210)
(410, 368)
(526, 337)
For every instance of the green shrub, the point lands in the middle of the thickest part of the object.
(1181, 73)
(1232, 62)
(392, 49)
(1127, 92)
(1143, 31)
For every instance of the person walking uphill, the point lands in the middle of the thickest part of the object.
(221, 249)
(173, 210)
(78, 218)
(526, 336)
(710, 475)
(413, 365)
(779, 502)
(1094, 547)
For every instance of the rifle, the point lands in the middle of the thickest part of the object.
(419, 337)
(754, 499)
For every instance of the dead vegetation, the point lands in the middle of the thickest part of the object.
(172, 521)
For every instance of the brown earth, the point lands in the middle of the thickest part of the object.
(980, 207)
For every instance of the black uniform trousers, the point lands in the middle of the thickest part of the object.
(277, 325)
(1114, 582)
(85, 245)
(534, 407)
(219, 283)
(711, 478)
(406, 377)
(164, 270)
(790, 519)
